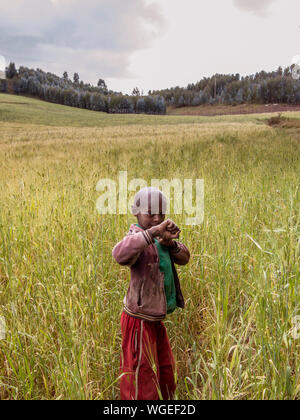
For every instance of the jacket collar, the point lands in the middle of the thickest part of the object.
(137, 227)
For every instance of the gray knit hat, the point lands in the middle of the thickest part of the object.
(141, 201)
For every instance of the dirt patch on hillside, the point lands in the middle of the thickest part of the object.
(283, 122)
(215, 110)
(286, 126)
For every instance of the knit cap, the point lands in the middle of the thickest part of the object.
(142, 201)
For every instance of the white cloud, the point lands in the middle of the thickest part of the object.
(95, 37)
(208, 37)
(124, 41)
(257, 7)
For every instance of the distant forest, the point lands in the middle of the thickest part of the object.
(281, 86)
(63, 90)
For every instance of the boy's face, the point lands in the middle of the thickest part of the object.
(147, 220)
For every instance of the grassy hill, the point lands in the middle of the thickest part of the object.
(14, 108)
(62, 292)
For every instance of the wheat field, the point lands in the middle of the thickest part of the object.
(61, 291)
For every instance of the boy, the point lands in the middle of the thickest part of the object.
(150, 250)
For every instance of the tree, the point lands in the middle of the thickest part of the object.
(286, 71)
(102, 86)
(65, 75)
(3, 85)
(160, 105)
(11, 71)
(98, 102)
(239, 96)
(196, 100)
(136, 92)
(150, 107)
(280, 71)
(76, 78)
(140, 106)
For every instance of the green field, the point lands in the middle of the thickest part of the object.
(61, 291)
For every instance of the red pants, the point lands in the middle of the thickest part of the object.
(146, 360)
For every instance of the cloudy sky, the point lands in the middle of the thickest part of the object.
(152, 44)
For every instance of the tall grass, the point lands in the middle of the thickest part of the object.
(61, 291)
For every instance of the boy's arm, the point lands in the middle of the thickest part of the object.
(180, 253)
(127, 251)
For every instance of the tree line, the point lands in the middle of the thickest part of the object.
(76, 93)
(280, 86)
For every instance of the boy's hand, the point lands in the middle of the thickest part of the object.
(166, 232)
(166, 242)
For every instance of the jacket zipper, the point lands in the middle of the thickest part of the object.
(140, 292)
(163, 286)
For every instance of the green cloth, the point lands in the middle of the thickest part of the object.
(165, 267)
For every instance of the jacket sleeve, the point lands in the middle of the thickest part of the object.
(181, 254)
(128, 250)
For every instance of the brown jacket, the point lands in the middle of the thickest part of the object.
(146, 297)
